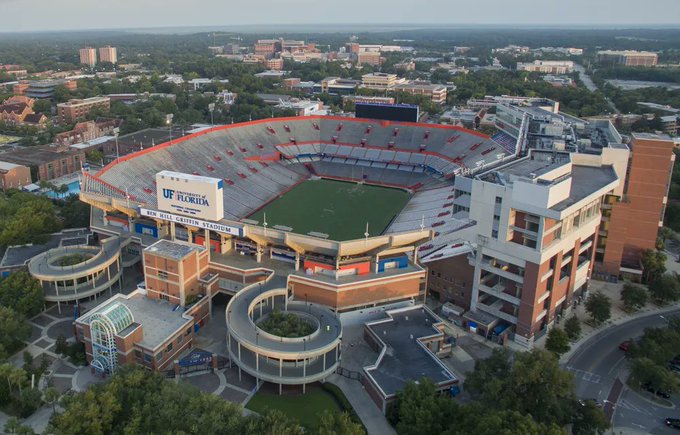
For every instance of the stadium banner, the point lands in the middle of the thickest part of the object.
(190, 195)
(220, 228)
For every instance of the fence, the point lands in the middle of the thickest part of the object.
(351, 374)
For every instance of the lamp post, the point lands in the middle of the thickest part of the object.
(211, 107)
(116, 131)
(168, 121)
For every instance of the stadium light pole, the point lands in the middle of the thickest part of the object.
(168, 120)
(116, 131)
(211, 107)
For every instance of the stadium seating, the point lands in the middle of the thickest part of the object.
(419, 155)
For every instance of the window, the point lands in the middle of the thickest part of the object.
(494, 234)
(499, 200)
(180, 339)
(159, 356)
(188, 331)
(169, 348)
(164, 296)
(496, 218)
(147, 358)
(138, 354)
(162, 274)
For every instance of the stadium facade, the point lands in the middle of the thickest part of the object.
(513, 230)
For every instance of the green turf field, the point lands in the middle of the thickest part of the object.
(337, 208)
(306, 409)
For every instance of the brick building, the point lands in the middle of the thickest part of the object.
(76, 109)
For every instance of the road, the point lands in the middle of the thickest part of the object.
(597, 364)
(585, 78)
(591, 86)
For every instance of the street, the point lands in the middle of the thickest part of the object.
(599, 362)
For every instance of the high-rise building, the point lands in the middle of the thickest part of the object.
(108, 54)
(628, 57)
(530, 244)
(88, 56)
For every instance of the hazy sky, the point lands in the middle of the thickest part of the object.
(27, 15)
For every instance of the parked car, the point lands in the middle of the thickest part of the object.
(673, 422)
(625, 345)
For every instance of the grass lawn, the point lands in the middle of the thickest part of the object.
(305, 408)
(337, 208)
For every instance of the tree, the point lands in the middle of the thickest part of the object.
(665, 288)
(653, 265)
(61, 345)
(338, 423)
(598, 306)
(634, 297)
(572, 327)
(136, 401)
(589, 420)
(418, 409)
(29, 401)
(12, 425)
(13, 331)
(51, 396)
(557, 341)
(95, 156)
(21, 292)
(73, 212)
(644, 371)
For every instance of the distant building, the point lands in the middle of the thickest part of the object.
(372, 58)
(15, 109)
(405, 66)
(275, 64)
(303, 107)
(49, 161)
(108, 54)
(88, 56)
(338, 86)
(628, 57)
(87, 131)
(380, 81)
(42, 88)
(13, 176)
(76, 109)
(267, 47)
(547, 66)
(437, 93)
(559, 81)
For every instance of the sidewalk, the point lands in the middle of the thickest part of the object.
(619, 316)
(368, 411)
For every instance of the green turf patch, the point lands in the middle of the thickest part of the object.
(337, 208)
(305, 408)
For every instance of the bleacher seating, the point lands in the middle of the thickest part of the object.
(419, 155)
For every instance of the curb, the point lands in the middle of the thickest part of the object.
(616, 322)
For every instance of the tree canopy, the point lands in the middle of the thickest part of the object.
(22, 293)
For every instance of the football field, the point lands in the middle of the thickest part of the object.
(337, 208)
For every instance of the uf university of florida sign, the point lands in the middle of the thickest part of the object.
(190, 195)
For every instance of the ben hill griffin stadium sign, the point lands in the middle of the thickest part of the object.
(190, 195)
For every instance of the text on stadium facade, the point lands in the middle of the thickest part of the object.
(220, 228)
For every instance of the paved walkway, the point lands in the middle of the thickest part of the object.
(619, 316)
(368, 411)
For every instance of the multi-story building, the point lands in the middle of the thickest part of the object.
(42, 88)
(87, 131)
(437, 93)
(108, 54)
(337, 86)
(47, 162)
(547, 66)
(634, 212)
(380, 81)
(145, 327)
(628, 57)
(13, 176)
(275, 64)
(372, 58)
(76, 109)
(88, 56)
(633, 215)
(267, 47)
(531, 242)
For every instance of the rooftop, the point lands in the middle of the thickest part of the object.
(32, 156)
(159, 319)
(405, 359)
(16, 256)
(586, 180)
(176, 250)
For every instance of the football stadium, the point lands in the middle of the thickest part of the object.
(316, 216)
